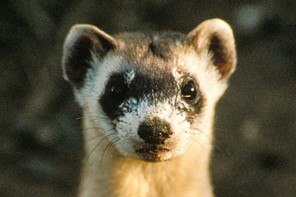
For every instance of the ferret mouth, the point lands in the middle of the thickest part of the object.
(154, 153)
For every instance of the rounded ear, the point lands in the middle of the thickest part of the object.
(215, 37)
(81, 42)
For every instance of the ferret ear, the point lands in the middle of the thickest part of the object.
(81, 42)
(215, 37)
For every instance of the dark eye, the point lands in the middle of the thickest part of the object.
(188, 91)
(115, 94)
(118, 92)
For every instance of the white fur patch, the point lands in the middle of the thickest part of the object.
(97, 79)
(129, 76)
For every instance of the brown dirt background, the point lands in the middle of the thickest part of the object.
(255, 135)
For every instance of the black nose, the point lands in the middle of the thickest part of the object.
(154, 131)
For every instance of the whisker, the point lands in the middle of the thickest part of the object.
(90, 128)
(128, 123)
(79, 118)
(93, 117)
(98, 144)
(200, 131)
(108, 133)
(105, 151)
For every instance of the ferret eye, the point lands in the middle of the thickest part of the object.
(118, 92)
(188, 91)
(115, 94)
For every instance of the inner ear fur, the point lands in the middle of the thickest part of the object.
(215, 37)
(80, 43)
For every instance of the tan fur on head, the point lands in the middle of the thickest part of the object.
(156, 141)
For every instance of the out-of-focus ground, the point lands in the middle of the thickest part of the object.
(255, 135)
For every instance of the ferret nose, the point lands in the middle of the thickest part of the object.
(154, 131)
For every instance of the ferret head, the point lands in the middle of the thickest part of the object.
(151, 94)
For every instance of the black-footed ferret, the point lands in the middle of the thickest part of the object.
(148, 104)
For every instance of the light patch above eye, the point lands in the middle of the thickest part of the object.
(177, 74)
(129, 76)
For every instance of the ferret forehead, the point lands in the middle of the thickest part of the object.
(155, 45)
(149, 73)
(158, 83)
(135, 38)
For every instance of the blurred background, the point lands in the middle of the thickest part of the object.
(255, 135)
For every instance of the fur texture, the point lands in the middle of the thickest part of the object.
(148, 102)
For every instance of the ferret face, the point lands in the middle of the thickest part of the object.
(147, 110)
(150, 94)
